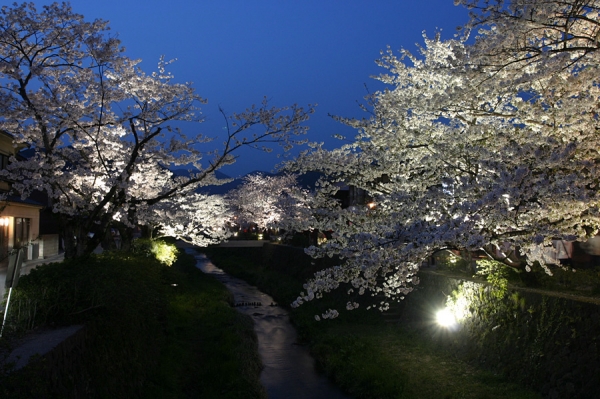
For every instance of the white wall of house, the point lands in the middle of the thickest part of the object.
(18, 210)
(49, 245)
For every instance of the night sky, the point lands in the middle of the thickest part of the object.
(304, 52)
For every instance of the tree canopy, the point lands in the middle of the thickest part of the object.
(486, 142)
(104, 133)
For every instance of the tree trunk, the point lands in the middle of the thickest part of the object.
(126, 238)
(70, 242)
(79, 240)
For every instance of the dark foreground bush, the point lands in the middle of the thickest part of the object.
(122, 302)
(150, 331)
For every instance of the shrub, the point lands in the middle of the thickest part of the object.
(162, 251)
(121, 300)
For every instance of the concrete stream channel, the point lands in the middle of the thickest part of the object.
(288, 369)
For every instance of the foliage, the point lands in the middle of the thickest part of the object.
(102, 134)
(486, 145)
(77, 290)
(121, 300)
(162, 251)
(495, 273)
(449, 261)
(583, 282)
(210, 349)
(391, 361)
(149, 332)
(526, 336)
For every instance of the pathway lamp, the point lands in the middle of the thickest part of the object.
(455, 311)
(445, 318)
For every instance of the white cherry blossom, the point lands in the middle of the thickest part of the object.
(104, 134)
(477, 143)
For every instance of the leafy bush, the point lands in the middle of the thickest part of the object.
(162, 251)
(496, 274)
(121, 300)
(149, 332)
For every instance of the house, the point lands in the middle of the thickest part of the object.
(20, 219)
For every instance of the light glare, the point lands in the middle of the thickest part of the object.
(445, 318)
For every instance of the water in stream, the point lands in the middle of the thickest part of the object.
(288, 369)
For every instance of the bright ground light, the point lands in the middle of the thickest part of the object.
(445, 318)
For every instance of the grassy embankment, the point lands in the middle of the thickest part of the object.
(211, 349)
(151, 331)
(365, 356)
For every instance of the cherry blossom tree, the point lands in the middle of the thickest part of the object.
(488, 145)
(195, 218)
(103, 133)
(272, 202)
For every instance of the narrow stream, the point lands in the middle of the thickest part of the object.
(288, 369)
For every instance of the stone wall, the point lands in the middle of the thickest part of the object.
(49, 245)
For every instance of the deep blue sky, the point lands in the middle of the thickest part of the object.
(292, 51)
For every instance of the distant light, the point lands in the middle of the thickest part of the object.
(260, 236)
(371, 205)
(445, 318)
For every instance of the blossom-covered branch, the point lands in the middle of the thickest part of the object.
(102, 133)
(487, 146)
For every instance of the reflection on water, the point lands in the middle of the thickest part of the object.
(289, 371)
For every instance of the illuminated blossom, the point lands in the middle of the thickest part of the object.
(475, 145)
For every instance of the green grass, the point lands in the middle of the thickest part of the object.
(145, 337)
(364, 355)
(211, 349)
(386, 361)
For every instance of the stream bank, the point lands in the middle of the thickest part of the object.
(289, 371)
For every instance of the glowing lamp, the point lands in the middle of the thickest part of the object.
(445, 318)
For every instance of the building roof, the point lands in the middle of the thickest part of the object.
(14, 199)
